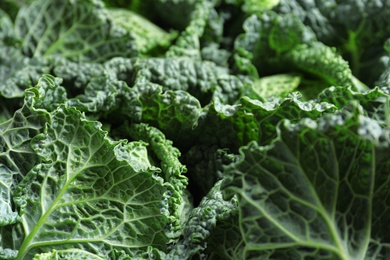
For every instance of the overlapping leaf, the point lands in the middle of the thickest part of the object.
(319, 190)
(88, 192)
(357, 29)
(77, 30)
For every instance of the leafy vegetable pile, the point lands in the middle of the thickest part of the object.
(194, 129)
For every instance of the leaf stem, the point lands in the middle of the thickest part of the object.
(26, 246)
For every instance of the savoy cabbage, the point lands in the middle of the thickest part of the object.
(194, 129)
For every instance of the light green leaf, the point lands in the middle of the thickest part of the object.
(279, 85)
(252, 6)
(321, 61)
(89, 192)
(147, 36)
